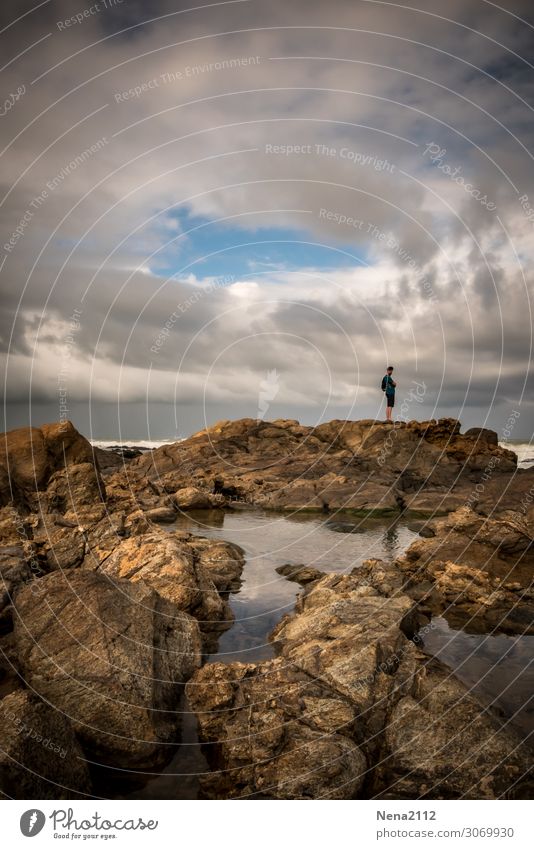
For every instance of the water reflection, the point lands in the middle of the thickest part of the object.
(270, 540)
(498, 668)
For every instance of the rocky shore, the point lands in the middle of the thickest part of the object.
(363, 466)
(106, 616)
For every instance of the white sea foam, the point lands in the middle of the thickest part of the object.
(524, 451)
(146, 444)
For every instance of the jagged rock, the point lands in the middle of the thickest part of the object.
(348, 669)
(364, 466)
(165, 515)
(192, 498)
(475, 571)
(40, 757)
(190, 573)
(30, 455)
(109, 655)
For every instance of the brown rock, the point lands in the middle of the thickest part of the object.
(109, 656)
(443, 745)
(190, 573)
(274, 733)
(40, 757)
(476, 571)
(192, 498)
(350, 707)
(29, 456)
(364, 466)
(164, 515)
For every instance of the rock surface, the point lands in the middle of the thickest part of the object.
(30, 455)
(476, 571)
(187, 571)
(111, 612)
(109, 656)
(40, 757)
(364, 466)
(362, 702)
(273, 733)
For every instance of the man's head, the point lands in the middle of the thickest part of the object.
(389, 369)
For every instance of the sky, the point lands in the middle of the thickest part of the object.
(246, 208)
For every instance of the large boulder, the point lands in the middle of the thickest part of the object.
(75, 487)
(110, 655)
(188, 571)
(40, 757)
(30, 455)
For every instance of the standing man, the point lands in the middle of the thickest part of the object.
(388, 386)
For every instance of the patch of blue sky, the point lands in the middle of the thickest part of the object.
(210, 249)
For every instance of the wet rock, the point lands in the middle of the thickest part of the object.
(40, 757)
(441, 744)
(274, 733)
(348, 668)
(164, 515)
(109, 655)
(299, 573)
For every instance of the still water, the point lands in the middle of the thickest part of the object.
(497, 668)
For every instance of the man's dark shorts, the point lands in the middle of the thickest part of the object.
(390, 400)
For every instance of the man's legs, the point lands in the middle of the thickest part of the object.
(389, 408)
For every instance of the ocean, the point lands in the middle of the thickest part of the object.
(524, 451)
(143, 444)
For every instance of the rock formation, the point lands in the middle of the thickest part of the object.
(108, 655)
(365, 466)
(105, 614)
(350, 708)
(475, 570)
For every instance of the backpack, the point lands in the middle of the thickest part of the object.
(384, 383)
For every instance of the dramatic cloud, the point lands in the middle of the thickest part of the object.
(195, 199)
